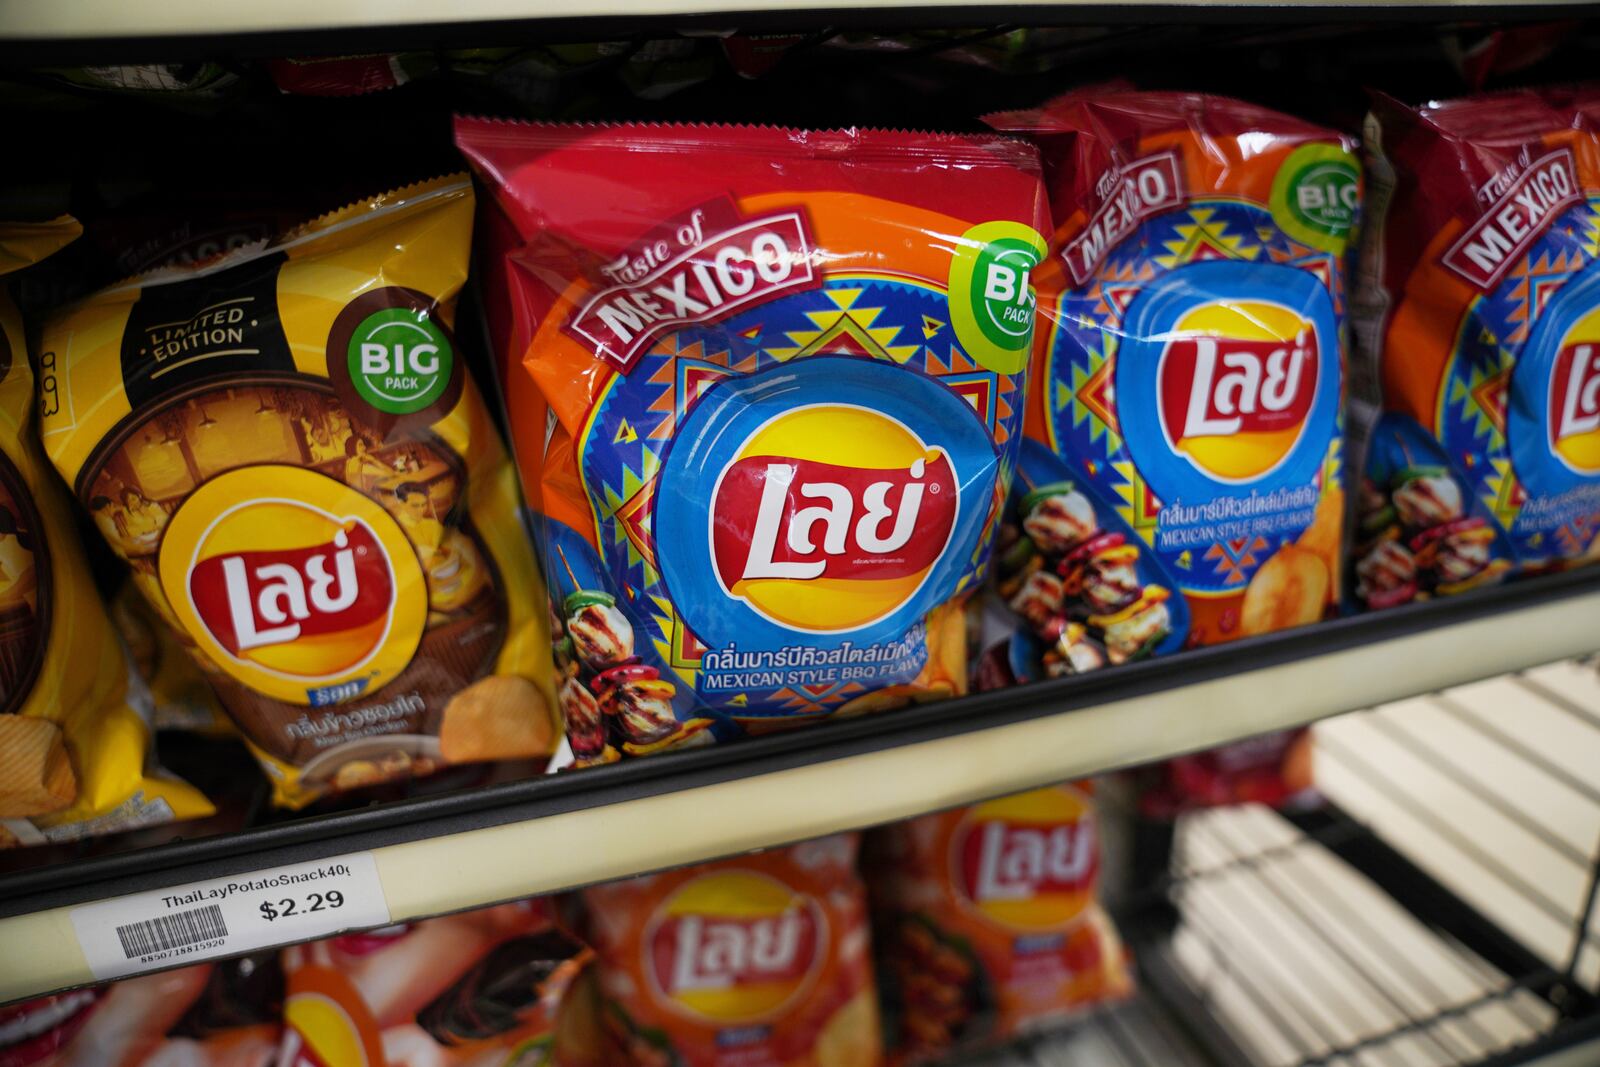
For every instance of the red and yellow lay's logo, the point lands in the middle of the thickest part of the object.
(294, 584)
(829, 517)
(1028, 861)
(734, 947)
(1575, 397)
(1235, 383)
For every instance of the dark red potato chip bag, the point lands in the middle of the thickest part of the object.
(1480, 284)
(783, 371)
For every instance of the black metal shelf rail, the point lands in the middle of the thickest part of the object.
(614, 22)
(1311, 939)
(26, 890)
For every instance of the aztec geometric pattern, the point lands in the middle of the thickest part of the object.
(1083, 352)
(634, 423)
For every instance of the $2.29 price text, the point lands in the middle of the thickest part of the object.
(311, 902)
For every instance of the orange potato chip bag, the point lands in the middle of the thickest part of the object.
(760, 961)
(987, 922)
(784, 374)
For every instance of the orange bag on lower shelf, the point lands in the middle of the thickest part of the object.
(759, 961)
(988, 923)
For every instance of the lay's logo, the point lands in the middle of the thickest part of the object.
(734, 946)
(1575, 405)
(1029, 861)
(829, 517)
(294, 584)
(1236, 382)
(253, 600)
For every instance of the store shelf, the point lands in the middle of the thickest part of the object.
(181, 28)
(1357, 934)
(472, 848)
(1440, 910)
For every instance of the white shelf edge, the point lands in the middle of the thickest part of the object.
(39, 952)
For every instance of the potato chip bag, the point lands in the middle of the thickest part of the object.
(223, 1014)
(1189, 361)
(180, 696)
(1274, 769)
(759, 961)
(479, 989)
(785, 372)
(1480, 287)
(75, 731)
(987, 923)
(286, 446)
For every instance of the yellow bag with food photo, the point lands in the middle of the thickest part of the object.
(74, 723)
(285, 445)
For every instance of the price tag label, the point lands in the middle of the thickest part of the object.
(228, 916)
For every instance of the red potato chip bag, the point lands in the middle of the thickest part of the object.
(1182, 482)
(1272, 769)
(784, 371)
(987, 922)
(1190, 357)
(479, 989)
(759, 961)
(1480, 282)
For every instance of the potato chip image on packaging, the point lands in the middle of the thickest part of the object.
(285, 445)
(1189, 358)
(482, 988)
(987, 924)
(75, 731)
(223, 1014)
(1077, 579)
(1482, 291)
(785, 372)
(760, 961)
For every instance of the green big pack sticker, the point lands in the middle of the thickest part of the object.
(400, 360)
(991, 298)
(1316, 196)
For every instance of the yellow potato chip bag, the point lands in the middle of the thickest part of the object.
(286, 446)
(74, 729)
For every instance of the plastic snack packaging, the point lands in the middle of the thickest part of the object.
(1481, 279)
(1187, 483)
(285, 445)
(479, 989)
(987, 922)
(760, 961)
(785, 373)
(75, 731)
(1189, 361)
(1274, 769)
(222, 1014)
(181, 699)
(1079, 579)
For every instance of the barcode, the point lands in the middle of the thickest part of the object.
(172, 931)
